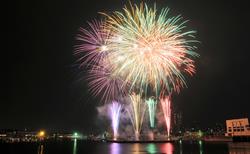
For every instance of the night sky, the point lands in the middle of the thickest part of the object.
(44, 87)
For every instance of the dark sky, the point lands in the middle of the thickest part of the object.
(42, 86)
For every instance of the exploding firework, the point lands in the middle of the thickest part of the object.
(93, 53)
(92, 46)
(115, 110)
(136, 112)
(166, 108)
(151, 103)
(143, 48)
(102, 81)
(150, 50)
(140, 50)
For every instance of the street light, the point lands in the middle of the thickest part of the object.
(75, 135)
(41, 134)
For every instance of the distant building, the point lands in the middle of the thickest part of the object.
(177, 122)
(238, 128)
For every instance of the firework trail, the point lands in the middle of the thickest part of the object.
(136, 111)
(151, 103)
(115, 110)
(166, 108)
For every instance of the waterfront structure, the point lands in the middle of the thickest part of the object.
(239, 129)
(12, 136)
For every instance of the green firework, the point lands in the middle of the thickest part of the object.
(151, 111)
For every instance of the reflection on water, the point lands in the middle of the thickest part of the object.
(167, 148)
(180, 147)
(201, 147)
(136, 148)
(151, 148)
(115, 148)
(40, 149)
(75, 146)
(239, 148)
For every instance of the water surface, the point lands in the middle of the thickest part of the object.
(83, 147)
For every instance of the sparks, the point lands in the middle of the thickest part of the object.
(166, 108)
(115, 110)
(136, 112)
(151, 103)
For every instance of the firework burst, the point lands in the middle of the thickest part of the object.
(150, 50)
(102, 81)
(92, 43)
(147, 50)
(138, 50)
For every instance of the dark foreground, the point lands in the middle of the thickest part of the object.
(83, 147)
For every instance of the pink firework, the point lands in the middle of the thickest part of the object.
(115, 110)
(93, 52)
(103, 83)
(92, 43)
(166, 108)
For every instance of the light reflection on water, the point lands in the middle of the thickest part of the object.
(239, 148)
(167, 148)
(40, 149)
(200, 147)
(115, 148)
(136, 148)
(151, 148)
(75, 146)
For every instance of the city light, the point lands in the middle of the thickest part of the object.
(200, 133)
(41, 134)
(75, 135)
